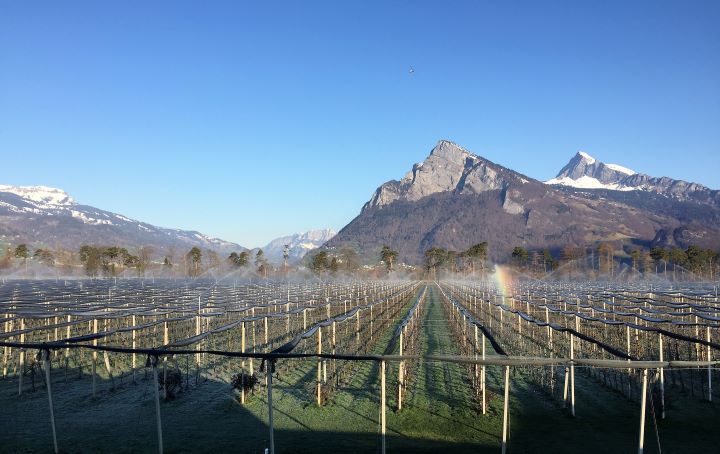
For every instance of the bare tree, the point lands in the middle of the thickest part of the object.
(194, 257)
(286, 254)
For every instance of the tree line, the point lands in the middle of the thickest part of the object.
(603, 259)
(346, 260)
(470, 260)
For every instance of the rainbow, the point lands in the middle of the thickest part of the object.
(503, 280)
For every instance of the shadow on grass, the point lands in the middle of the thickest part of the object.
(206, 418)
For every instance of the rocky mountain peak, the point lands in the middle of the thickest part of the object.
(448, 168)
(450, 151)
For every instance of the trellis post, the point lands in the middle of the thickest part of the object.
(506, 409)
(662, 378)
(134, 344)
(153, 360)
(22, 357)
(94, 359)
(709, 368)
(400, 373)
(319, 366)
(482, 378)
(572, 374)
(382, 406)
(242, 350)
(643, 402)
(46, 365)
(270, 370)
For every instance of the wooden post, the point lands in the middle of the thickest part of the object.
(242, 350)
(572, 375)
(266, 333)
(519, 325)
(334, 340)
(46, 366)
(270, 370)
(7, 350)
(400, 373)
(197, 333)
(697, 335)
(319, 366)
(94, 360)
(475, 354)
(482, 378)
(709, 368)
(643, 402)
(382, 406)
(627, 346)
(253, 342)
(287, 318)
(505, 409)
(67, 350)
(662, 379)
(134, 336)
(22, 358)
(577, 328)
(549, 329)
(153, 362)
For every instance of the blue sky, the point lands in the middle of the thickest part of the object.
(251, 120)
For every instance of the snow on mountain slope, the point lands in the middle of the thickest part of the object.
(585, 172)
(621, 169)
(44, 215)
(41, 195)
(586, 182)
(299, 245)
(589, 159)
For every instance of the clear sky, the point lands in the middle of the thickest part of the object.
(251, 120)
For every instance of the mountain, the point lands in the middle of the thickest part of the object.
(454, 199)
(43, 216)
(448, 168)
(299, 245)
(585, 172)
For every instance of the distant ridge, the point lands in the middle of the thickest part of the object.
(299, 245)
(585, 172)
(40, 215)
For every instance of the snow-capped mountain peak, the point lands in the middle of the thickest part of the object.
(584, 171)
(42, 195)
(589, 159)
(298, 244)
